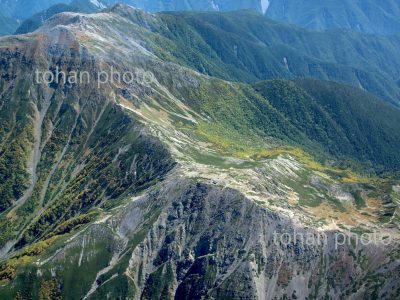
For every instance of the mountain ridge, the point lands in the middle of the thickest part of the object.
(174, 188)
(235, 46)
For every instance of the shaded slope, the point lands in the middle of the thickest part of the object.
(24, 8)
(7, 25)
(346, 122)
(366, 16)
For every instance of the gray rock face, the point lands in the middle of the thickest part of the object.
(221, 245)
(188, 240)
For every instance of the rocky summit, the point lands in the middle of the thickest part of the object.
(152, 156)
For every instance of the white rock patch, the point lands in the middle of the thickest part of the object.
(265, 5)
(98, 4)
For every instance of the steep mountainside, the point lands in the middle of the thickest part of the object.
(185, 186)
(23, 9)
(366, 16)
(25, 16)
(198, 5)
(245, 46)
(346, 122)
(7, 25)
(37, 20)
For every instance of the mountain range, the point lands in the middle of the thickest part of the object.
(245, 46)
(177, 187)
(38, 19)
(365, 16)
(7, 25)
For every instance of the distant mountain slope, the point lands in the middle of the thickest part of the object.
(245, 46)
(175, 5)
(25, 16)
(7, 25)
(365, 16)
(38, 19)
(23, 9)
(368, 16)
(346, 122)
